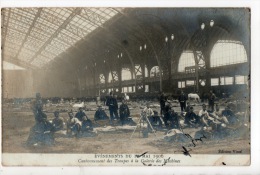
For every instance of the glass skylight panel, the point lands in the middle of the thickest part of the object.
(45, 26)
(227, 52)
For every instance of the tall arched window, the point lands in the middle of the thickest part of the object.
(126, 74)
(226, 52)
(186, 60)
(110, 77)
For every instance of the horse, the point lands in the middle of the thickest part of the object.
(193, 96)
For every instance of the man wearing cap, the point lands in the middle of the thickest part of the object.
(57, 122)
(80, 114)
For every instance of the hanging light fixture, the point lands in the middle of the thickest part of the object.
(172, 37)
(121, 55)
(211, 23)
(202, 26)
(144, 46)
(117, 56)
(166, 39)
(141, 48)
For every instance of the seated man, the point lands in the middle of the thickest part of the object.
(230, 116)
(147, 110)
(217, 115)
(80, 114)
(155, 120)
(206, 120)
(187, 109)
(100, 114)
(124, 112)
(172, 117)
(73, 125)
(191, 119)
(57, 122)
(86, 124)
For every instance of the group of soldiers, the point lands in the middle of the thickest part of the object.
(212, 117)
(78, 124)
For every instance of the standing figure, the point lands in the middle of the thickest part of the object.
(113, 107)
(124, 112)
(162, 103)
(182, 100)
(212, 98)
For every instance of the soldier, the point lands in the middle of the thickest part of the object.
(73, 125)
(80, 114)
(57, 122)
(162, 103)
(124, 112)
(191, 119)
(182, 99)
(86, 124)
(113, 107)
(100, 114)
(212, 98)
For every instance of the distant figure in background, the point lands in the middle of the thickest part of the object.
(80, 114)
(162, 102)
(124, 112)
(212, 98)
(126, 97)
(113, 107)
(57, 122)
(182, 99)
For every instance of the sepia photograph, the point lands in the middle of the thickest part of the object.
(126, 86)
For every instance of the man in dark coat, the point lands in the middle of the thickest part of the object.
(112, 106)
(80, 114)
(100, 114)
(212, 98)
(162, 103)
(191, 119)
(182, 99)
(124, 112)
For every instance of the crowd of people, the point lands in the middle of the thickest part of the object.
(79, 123)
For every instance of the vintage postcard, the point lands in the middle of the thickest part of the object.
(126, 86)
